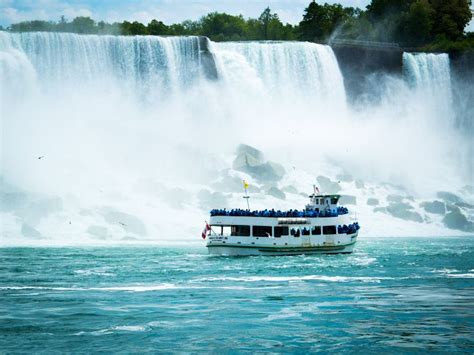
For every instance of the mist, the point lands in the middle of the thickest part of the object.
(108, 138)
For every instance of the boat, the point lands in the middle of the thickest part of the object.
(322, 227)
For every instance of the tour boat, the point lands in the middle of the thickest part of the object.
(323, 227)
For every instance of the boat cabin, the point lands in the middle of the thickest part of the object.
(319, 202)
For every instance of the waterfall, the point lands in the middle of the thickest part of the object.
(122, 136)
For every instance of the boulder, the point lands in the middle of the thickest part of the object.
(394, 198)
(344, 177)
(380, 209)
(327, 186)
(371, 201)
(448, 197)
(275, 192)
(128, 222)
(348, 200)
(436, 207)
(359, 184)
(251, 161)
(456, 220)
(29, 232)
(403, 210)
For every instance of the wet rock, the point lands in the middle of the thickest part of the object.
(128, 222)
(209, 200)
(371, 201)
(275, 192)
(404, 211)
(348, 200)
(456, 220)
(380, 209)
(251, 161)
(359, 184)
(395, 198)
(290, 189)
(463, 204)
(98, 231)
(327, 186)
(436, 207)
(453, 208)
(29, 232)
(344, 177)
(448, 197)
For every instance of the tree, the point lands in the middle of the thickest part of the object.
(134, 28)
(157, 28)
(451, 17)
(83, 24)
(417, 23)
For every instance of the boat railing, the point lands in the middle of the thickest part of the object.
(340, 210)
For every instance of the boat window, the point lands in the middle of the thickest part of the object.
(317, 201)
(279, 231)
(262, 231)
(329, 229)
(305, 231)
(316, 230)
(240, 231)
(333, 200)
(295, 232)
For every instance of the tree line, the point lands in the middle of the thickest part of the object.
(429, 24)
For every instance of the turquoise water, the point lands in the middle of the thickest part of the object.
(390, 295)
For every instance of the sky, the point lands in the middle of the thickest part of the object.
(168, 11)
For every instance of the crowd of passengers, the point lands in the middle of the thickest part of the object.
(272, 213)
(344, 229)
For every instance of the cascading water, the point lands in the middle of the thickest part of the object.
(117, 138)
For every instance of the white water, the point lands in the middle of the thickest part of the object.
(130, 129)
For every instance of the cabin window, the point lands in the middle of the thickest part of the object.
(329, 229)
(279, 231)
(295, 232)
(333, 200)
(317, 201)
(305, 231)
(262, 231)
(316, 230)
(240, 231)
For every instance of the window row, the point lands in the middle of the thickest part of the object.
(268, 231)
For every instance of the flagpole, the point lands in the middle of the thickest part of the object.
(246, 195)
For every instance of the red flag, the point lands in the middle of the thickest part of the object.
(206, 229)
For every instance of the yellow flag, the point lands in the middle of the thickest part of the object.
(246, 184)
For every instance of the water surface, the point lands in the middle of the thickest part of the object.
(390, 295)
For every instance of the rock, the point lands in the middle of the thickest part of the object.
(453, 208)
(251, 161)
(436, 207)
(359, 184)
(326, 186)
(250, 151)
(395, 198)
(129, 223)
(456, 220)
(290, 189)
(380, 209)
(275, 192)
(403, 211)
(463, 204)
(30, 232)
(371, 201)
(468, 189)
(209, 200)
(448, 197)
(344, 177)
(348, 200)
(98, 231)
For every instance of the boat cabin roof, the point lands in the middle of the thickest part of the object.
(325, 196)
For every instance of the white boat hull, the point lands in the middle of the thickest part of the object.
(273, 246)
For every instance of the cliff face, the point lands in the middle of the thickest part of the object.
(360, 64)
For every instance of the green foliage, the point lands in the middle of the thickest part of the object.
(425, 24)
